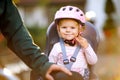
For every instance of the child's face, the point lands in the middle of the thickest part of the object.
(68, 28)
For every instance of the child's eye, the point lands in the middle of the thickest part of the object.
(72, 27)
(63, 27)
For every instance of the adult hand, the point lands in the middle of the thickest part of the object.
(55, 67)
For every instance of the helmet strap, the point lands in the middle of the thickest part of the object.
(70, 42)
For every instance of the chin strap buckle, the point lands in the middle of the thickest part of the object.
(66, 61)
(72, 59)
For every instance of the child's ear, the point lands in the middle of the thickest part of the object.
(81, 29)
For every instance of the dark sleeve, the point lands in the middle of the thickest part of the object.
(19, 39)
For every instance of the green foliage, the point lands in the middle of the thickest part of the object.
(109, 27)
(39, 36)
(109, 8)
(43, 2)
(109, 24)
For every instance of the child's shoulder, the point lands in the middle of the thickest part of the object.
(57, 44)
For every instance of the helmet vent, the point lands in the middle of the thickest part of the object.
(70, 8)
(81, 14)
(77, 10)
(64, 9)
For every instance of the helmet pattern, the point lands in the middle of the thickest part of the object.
(70, 12)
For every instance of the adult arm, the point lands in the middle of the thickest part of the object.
(19, 40)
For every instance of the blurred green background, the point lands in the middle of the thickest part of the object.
(37, 15)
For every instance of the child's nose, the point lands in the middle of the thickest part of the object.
(68, 29)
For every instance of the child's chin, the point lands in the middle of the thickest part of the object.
(69, 39)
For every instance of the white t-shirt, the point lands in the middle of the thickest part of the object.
(84, 57)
